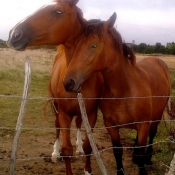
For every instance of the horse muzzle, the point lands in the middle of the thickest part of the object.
(72, 86)
(17, 40)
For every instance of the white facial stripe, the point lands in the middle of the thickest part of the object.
(52, 3)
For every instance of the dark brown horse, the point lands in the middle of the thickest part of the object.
(135, 94)
(61, 22)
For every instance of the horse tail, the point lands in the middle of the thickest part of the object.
(51, 102)
(169, 104)
(45, 108)
(53, 107)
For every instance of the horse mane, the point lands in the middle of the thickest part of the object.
(96, 27)
(80, 15)
(128, 53)
(60, 50)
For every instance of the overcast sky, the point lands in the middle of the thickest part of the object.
(147, 21)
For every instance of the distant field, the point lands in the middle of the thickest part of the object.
(169, 59)
(42, 59)
(38, 133)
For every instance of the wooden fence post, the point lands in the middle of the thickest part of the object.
(21, 115)
(172, 167)
(89, 134)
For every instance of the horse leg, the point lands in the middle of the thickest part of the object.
(117, 147)
(92, 118)
(79, 141)
(135, 148)
(67, 149)
(149, 151)
(56, 148)
(139, 150)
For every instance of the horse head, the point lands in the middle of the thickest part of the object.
(52, 24)
(90, 53)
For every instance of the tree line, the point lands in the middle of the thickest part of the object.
(142, 48)
(157, 48)
(2, 44)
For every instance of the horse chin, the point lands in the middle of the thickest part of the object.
(76, 90)
(19, 47)
(79, 88)
(22, 48)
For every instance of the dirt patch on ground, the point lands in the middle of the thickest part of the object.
(34, 153)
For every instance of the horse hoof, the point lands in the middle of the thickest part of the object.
(86, 173)
(135, 160)
(54, 159)
(143, 171)
(120, 172)
(78, 153)
(148, 162)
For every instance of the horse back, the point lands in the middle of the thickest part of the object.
(157, 75)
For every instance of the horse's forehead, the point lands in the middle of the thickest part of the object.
(92, 36)
(50, 4)
(83, 41)
(62, 4)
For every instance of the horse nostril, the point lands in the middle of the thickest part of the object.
(70, 85)
(17, 35)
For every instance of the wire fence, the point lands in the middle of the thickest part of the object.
(105, 149)
(168, 140)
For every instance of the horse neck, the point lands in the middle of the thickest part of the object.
(69, 45)
(116, 75)
(68, 51)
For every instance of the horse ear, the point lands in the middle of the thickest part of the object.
(73, 2)
(110, 22)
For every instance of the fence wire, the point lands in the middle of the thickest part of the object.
(168, 140)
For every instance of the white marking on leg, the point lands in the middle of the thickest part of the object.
(86, 173)
(56, 151)
(79, 143)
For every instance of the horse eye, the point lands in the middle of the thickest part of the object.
(94, 46)
(59, 12)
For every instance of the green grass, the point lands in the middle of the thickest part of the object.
(172, 76)
(12, 82)
(11, 85)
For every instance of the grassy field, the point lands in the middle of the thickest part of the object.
(38, 134)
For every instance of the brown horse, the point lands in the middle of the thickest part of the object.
(60, 22)
(131, 97)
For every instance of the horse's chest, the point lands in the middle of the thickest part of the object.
(113, 109)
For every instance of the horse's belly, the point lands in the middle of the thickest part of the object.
(126, 113)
